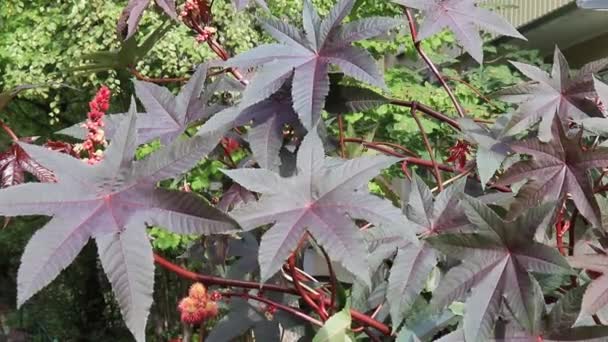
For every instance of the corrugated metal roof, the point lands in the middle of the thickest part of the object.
(521, 12)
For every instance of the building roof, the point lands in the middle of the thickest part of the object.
(582, 34)
(522, 12)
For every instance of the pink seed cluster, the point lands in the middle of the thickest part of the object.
(198, 306)
(95, 138)
(206, 34)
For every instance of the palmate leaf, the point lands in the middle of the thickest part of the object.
(463, 18)
(127, 56)
(555, 325)
(112, 202)
(235, 196)
(557, 168)
(558, 94)
(132, 13)
(337, 328)
(596, 295)
(15, 162)
(496, 261)
(492, 145)
(243, 248)
(246, 315)
(413, 263)
(322, 198)
(306, 56)
(598, 125)
(267, 119)
(166, 117)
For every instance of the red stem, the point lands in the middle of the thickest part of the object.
(559, 228)
(224, 55)
(9, 131)
(429, 149)
(300, 289)
(333, 280)
(211, 280)
(341, 131)
(417, 161)
(427, 110)
(267, 301)
(430, 64)
(395, 146)
(366, 320)
(473, 89)
(201, 332)
(141, 77)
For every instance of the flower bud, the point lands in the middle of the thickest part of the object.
(198, 292)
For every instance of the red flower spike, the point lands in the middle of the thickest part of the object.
(96, 136)
(196, 14)
(206, 34)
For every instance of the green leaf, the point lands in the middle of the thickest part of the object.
(336, 329)
(128, 55)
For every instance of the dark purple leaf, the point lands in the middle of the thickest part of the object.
(496, 261)
(243, 248)
(234, 197)
(558, 94)
(413, 263)
(307, 57)
(596, 295)
(267, 119)
(168, 7)
(112, 202)
(557, 168)
(463, 18)
(244, 315)
(409, 273)
(556, 325)
(492, 145)
(132, 13)
(167, 116)
(130, 17)
(322, 198)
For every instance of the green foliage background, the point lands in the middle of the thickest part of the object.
(42, 41)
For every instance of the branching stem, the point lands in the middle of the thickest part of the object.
(429, 149)
(288, 309)
(430, 64)
(9, 131)
(341, 137)
(141, 77)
